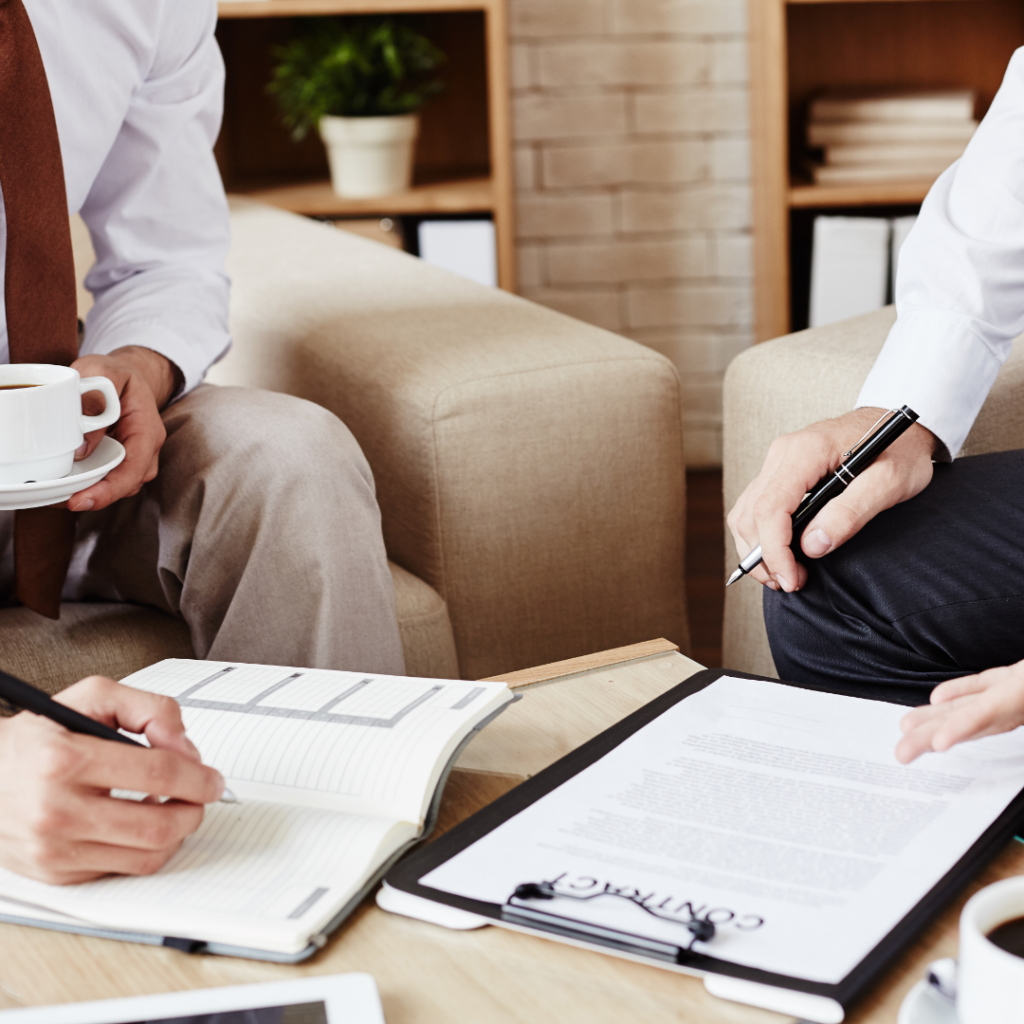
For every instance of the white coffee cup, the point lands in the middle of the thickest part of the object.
(990, 981)
(41, 427)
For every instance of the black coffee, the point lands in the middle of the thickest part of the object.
(14, 387)
(1010, 936)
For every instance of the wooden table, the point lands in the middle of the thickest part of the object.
(427, 974)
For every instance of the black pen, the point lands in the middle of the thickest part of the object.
(24, 695)
(852, 464)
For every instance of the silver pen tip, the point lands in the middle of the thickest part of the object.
(227, 797)
(734, 577)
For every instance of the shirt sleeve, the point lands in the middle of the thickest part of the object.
(157, 210)
(960, 280)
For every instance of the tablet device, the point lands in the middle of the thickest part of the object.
(334, 999)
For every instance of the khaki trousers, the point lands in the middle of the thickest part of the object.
(261, 531)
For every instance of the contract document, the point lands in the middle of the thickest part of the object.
(778, 813)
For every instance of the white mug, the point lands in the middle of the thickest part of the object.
(42, 426)
(990, 981)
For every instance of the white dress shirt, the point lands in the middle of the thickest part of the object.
(137, 88)
(960, 280)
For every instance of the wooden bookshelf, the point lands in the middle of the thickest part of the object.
(318, 199)
(886, 193)
(798, 47)
(463, 155)
(304, 8)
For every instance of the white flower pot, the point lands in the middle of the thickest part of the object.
(370, 156)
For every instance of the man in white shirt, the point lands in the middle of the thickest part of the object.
(248, 514)
(933, 589)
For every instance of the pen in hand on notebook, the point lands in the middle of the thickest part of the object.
(25, 696)
(891, 426)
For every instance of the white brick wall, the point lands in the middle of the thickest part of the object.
(633, 171)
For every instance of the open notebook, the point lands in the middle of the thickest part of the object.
(337, 773)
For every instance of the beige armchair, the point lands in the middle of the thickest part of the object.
(529, 467)
(786, 384)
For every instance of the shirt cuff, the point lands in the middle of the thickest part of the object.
(191, 356)
(935, 363)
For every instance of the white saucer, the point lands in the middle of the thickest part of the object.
(108, 454)
(924, 1005)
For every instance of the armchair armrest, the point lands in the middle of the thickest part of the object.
(528, 467)
(786, 384)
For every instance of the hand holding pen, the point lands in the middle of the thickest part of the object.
(791, 501)
(58, 821)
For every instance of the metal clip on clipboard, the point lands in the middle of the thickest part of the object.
(700, 929)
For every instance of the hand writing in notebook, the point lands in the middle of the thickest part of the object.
(58, 820)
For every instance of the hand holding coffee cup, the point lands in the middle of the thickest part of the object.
(41, 419)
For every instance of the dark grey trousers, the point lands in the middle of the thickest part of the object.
(928, 590)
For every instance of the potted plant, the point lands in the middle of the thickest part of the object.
(360, 81)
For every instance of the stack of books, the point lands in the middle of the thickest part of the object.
(888, 136)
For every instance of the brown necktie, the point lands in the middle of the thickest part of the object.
(40, 276)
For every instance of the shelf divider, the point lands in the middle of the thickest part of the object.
(882, 193)
(318, 199)
(302, 8)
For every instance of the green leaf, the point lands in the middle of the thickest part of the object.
(364, 66)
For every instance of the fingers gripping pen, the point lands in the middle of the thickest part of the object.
(891, 426)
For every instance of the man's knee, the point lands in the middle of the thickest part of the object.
(840, 634)
(267, 441)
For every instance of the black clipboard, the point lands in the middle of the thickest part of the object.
(405, 877)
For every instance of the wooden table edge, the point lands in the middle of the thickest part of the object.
(558, 670)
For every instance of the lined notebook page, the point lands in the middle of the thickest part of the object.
(254, 874)
(373, 741)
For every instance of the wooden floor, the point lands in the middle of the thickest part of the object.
(705, 569)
